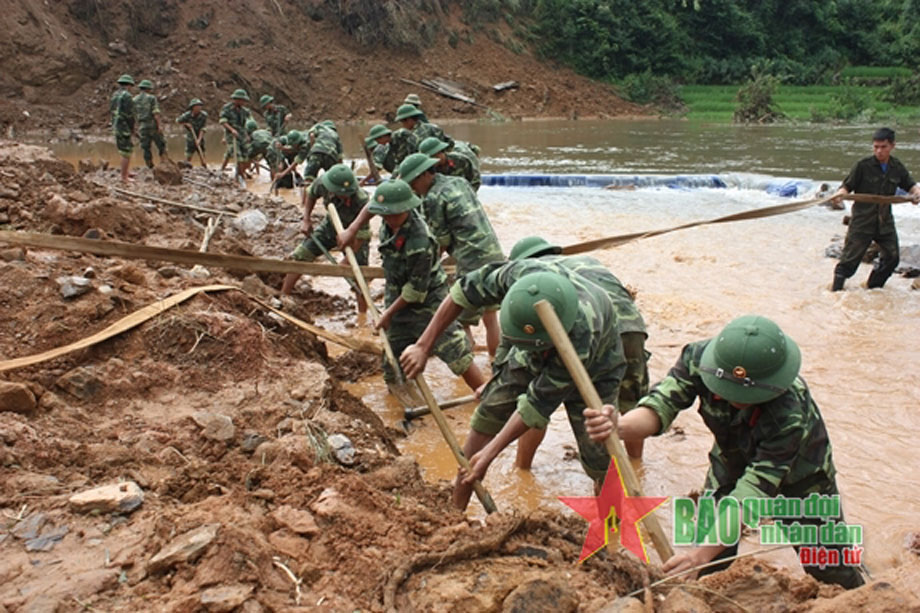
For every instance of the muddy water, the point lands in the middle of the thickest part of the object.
(859, 347)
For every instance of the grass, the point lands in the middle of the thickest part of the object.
(874, 72)
(717, 102)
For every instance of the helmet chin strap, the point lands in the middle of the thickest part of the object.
(721, 373)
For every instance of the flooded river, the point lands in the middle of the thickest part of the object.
(859, 347)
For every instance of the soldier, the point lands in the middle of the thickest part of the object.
(451, 163)
(415, 282)
(415, 101)
(409, 115)
(336, 186)
(122, 109)
(325, 149)
(877, 174)
(392, 147)
(276, 115)
(147, 112)
(260, 140)
(630, 324)
(193, 120)
(461, 227)
(233, 116)
(770, 438)
(293, 151)
(529, 379)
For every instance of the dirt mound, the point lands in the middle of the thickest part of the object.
(340, 60)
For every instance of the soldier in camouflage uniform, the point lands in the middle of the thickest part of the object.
(276, 115)
(325, 149)
(770, 438)
(233, 117)
(392, 147)
(337, 186)
(452, 163)
(415, 282)
(193, 120)
(877, 174)
(147, 113)
(461, 227)
(409, 115)
(631, 325)
(415, 101)
(122, 109)
(529, 379)
(260, 140)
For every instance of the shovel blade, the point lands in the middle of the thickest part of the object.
(406, 393)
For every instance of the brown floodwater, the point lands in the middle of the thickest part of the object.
(859, 347)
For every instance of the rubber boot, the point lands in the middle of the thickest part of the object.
(838, 283)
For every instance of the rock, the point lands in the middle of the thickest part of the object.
(4, 218)
(623, 605)
(199, 272)
(94, 233)
(128, 272)
(251, 441)
(330, 504)
(8, 191)
(13, 254)
(80, 382)
(185, 548)
(679, 600)
(167, 173)
(251, 222)
(169, 272)
(915, 284)
(296, 520)
(29, 527)
(51, 402)
(89, 273)
(73, 286)
(225, 598)
(541, 595)
(342, 449)
(86, 165)
(16, 398)
(215, 427)
(912, 543)
(118, 46)
(105, 290)
(116, 498)
(47, 539)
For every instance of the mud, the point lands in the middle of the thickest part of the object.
(221, 414)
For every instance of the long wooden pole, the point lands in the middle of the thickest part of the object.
(614, 446)
(429, 399)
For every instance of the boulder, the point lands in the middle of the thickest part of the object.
(116, 498)
(167, 173)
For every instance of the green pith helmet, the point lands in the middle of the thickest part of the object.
(265, 100)
(393, 197)
(377, 131)
(329, 124)
(251, 125)
(413, 99)
(432, 146)
(340, 180)
(750, 361)
(414, 165)
(240, 94)
(519, 321)
(195, 102)
(406, 111)
(295, 138)
(146, 84)
(125, 79)
(531, 247)
(369, 142)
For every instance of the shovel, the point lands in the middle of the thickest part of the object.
(589, 394)
(236, 159)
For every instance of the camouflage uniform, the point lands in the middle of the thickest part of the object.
(275, 119)
(122, 109)
(402, 144)
(425, 129)
(412, 266)
(236, 117)
(459, 165)
(348, 208)
(197, 122)
(873, 222)
(325, 153)
(536, 382)
(780, 447)
(630, 323)
(145, 107)
(261, 140)
(460, 225)
(380, 154)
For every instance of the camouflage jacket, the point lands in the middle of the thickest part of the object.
(274, 155)
(867, 177)
(628, 315)
(327, 141)
(780, 446)
(145, 107)
(458, 165)
(197, 121)
(412, 268)
(122, 109)
(594, 335)
(261, 140)
(235, 117)
(382, 157)
(460, 224)
(425, 129)
(402, 144)
(275, 119)
(347, 207)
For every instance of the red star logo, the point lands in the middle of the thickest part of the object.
(613, 502)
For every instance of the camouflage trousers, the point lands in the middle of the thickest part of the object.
(315, 161)
(845, 576)
(635, 382)
(323, 238)
(190, 148)
(855, 247)
(499, 402)
(148, 135)
(236, 146)
(452, 346)
(123, 141)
